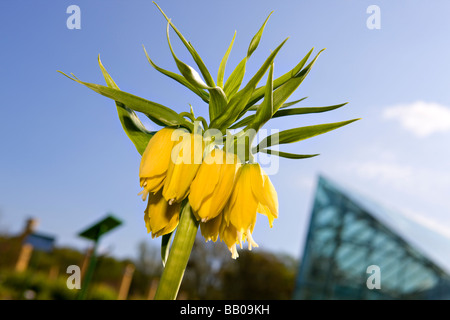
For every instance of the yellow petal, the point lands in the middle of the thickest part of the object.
(213, 202)
(169, 227)
(226, 184)
(265, 193)
(160, 217)
(229, 235)
(210, 229)
(186, 160)
(154, 183)
(205, 182)
(271, 196)
(234, 194)
(156, 159)
(257, 182)
(241, 211)
(266, 211)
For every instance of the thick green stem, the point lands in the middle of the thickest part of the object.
(180, 251)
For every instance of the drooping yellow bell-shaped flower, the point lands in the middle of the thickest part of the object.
(253, 192)
(213, 184)
(186, 159)
(270, 208)
(211, 228)
(230, 236)
(156, 159)
(160, 217)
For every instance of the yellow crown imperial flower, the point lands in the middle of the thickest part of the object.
(213, 184)
(186, 158)
(223, 199)
(230, 236)
(156, 159)
(211, 228)
(270, 208)
(160, 217)
(253, 192)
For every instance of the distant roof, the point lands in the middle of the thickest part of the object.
(40, 241)
(94, 232)
(434, 245)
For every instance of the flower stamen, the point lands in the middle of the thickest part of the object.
(239, 236)
(234, 253)
(251, 242)
(144, 194)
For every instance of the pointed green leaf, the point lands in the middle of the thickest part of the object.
(243, 122)
(284, 91)
(187, 71)
(298, 134)
(306, 110)
(208, 79)
(259, 92)
(265, 111)
(163, 114)
(257, 38)
(234, 81)
(288, 112)
(131, 124)
(217, 101)
(223, 63)
(288, 104)
(202, 67)
(247, 120)
(285, 105)
(179, 78)
(240, 99)
(165, 247)
(288, 155)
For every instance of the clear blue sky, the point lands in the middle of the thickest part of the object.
(65, 159)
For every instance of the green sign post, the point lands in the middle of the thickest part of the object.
(94, 233)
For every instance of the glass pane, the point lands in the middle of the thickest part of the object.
(346, 238)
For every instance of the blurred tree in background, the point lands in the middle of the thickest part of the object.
(148, 268)
(211, 273)
(259, 275)
(201, 279)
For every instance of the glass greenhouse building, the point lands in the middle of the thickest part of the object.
(356, 249)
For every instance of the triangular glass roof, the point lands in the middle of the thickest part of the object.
(431, 244)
